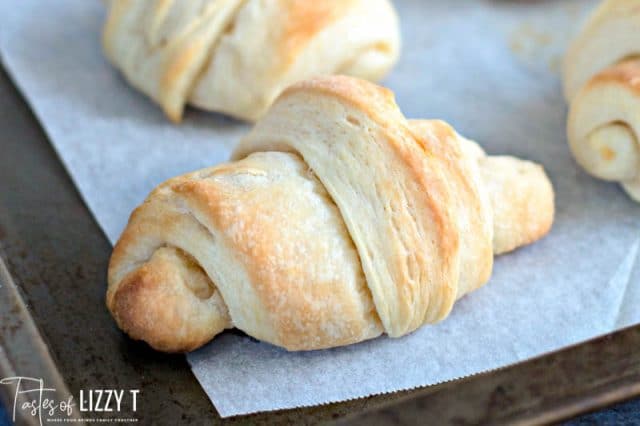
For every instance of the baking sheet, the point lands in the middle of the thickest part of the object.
(490, 68)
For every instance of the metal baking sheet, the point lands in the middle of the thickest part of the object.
(57, 256)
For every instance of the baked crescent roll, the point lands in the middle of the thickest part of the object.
(236, 56)
(337, 220)
(602, 85)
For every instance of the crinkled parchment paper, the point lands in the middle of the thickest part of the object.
(488, 67)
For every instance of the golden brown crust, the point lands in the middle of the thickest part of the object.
(325, 305)
(626, 73)
(304, 20)
(407, 189)
(522, 199)
(379, 224)
(418, 188)
(441, 141)
(146, 308)
(175, 70)
(604, 40)
(370, 98)
(296, 318)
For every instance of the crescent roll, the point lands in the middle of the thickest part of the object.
(336, 221)
(602, 85)
(236, 56)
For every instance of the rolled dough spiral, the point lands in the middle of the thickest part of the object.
(602, 85)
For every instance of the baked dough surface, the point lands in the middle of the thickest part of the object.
(236, 56)
(602, 85)
(338, 220)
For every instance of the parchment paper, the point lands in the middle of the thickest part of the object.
(488, 67)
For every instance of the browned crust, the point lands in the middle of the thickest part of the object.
(437, 197)
(379, 104)
(174, 71)
(368, 97)
(145, 312)
(127, 240)
(626, 73)
(304, 19)
(141, 302)
(449, 153)
(529, 195)
(533, 226)
(297, 323)
(138, 297)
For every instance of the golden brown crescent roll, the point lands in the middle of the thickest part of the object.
(337, 220)
(236, 56)
(602, 85)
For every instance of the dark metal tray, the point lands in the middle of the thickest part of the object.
(56, 257)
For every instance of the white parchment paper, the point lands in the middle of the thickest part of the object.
(488, 67)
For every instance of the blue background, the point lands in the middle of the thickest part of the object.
(4, 420)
